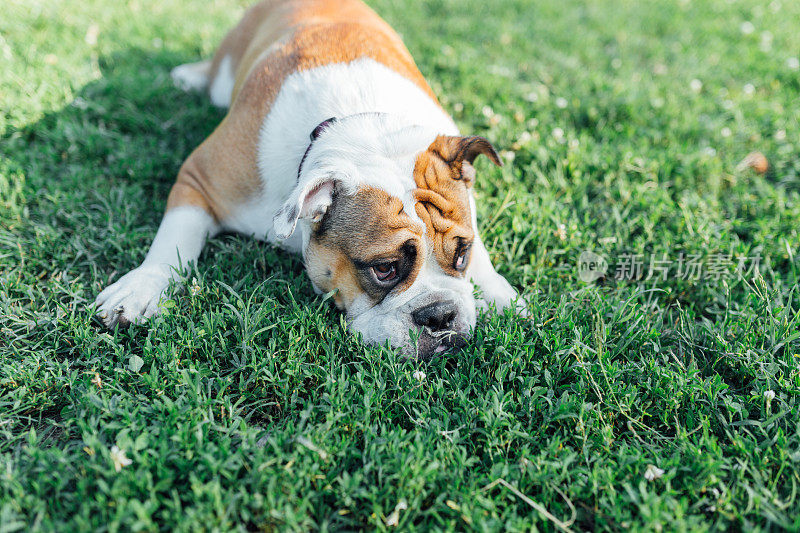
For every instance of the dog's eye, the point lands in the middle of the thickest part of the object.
(460, 261)
(385, 272)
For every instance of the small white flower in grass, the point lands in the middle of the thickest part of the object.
(507, 155)
(195, 288)
(748, 89)
(524, 138)
(653, 472)
(561, 232)
(709, 152)
(91, 34)
(696, 85)
(725, 132)
(780, 135)
(419, 375)
(793, 63)
(487, 111)
(561, 102)
(500, 70)
(458, 107)
(119, 458)
(747, 27)
(766, 41)
(616, 63)
(558, 134)
(769, 395)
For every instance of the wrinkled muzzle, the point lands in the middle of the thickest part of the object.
(423, 326)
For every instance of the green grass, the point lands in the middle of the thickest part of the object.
(247, 406)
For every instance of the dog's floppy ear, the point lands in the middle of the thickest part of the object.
(307, 202)
(460, 153)
(471, 147)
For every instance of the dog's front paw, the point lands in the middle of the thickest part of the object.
(498, 293)
(134, 297)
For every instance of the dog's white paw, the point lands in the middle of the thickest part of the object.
(498, 293)
(134, 297)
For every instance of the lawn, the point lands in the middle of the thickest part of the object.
(662, 396)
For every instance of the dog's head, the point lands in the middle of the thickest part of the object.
(389, 224)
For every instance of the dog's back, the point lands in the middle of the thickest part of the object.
(278, 37)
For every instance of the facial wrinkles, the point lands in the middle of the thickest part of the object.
(443, 205)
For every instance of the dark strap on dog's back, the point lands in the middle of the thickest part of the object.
(321, 127)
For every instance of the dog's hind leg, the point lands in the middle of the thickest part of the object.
(198, 77)
(192, 76)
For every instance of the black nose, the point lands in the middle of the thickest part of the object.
(436, 316)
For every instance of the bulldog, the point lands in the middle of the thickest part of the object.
(334, 147)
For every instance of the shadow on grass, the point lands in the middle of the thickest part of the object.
(100, 168)
(96, 174)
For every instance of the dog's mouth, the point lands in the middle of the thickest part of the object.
(440, 342)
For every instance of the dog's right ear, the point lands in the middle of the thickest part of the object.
(460, 153)
(308, 202)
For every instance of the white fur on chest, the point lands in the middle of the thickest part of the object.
(340, 90)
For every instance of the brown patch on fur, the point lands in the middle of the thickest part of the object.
(358, 231)
(185, 194)
(274, 39)
(443, 174)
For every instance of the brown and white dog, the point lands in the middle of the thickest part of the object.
(378, 200)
